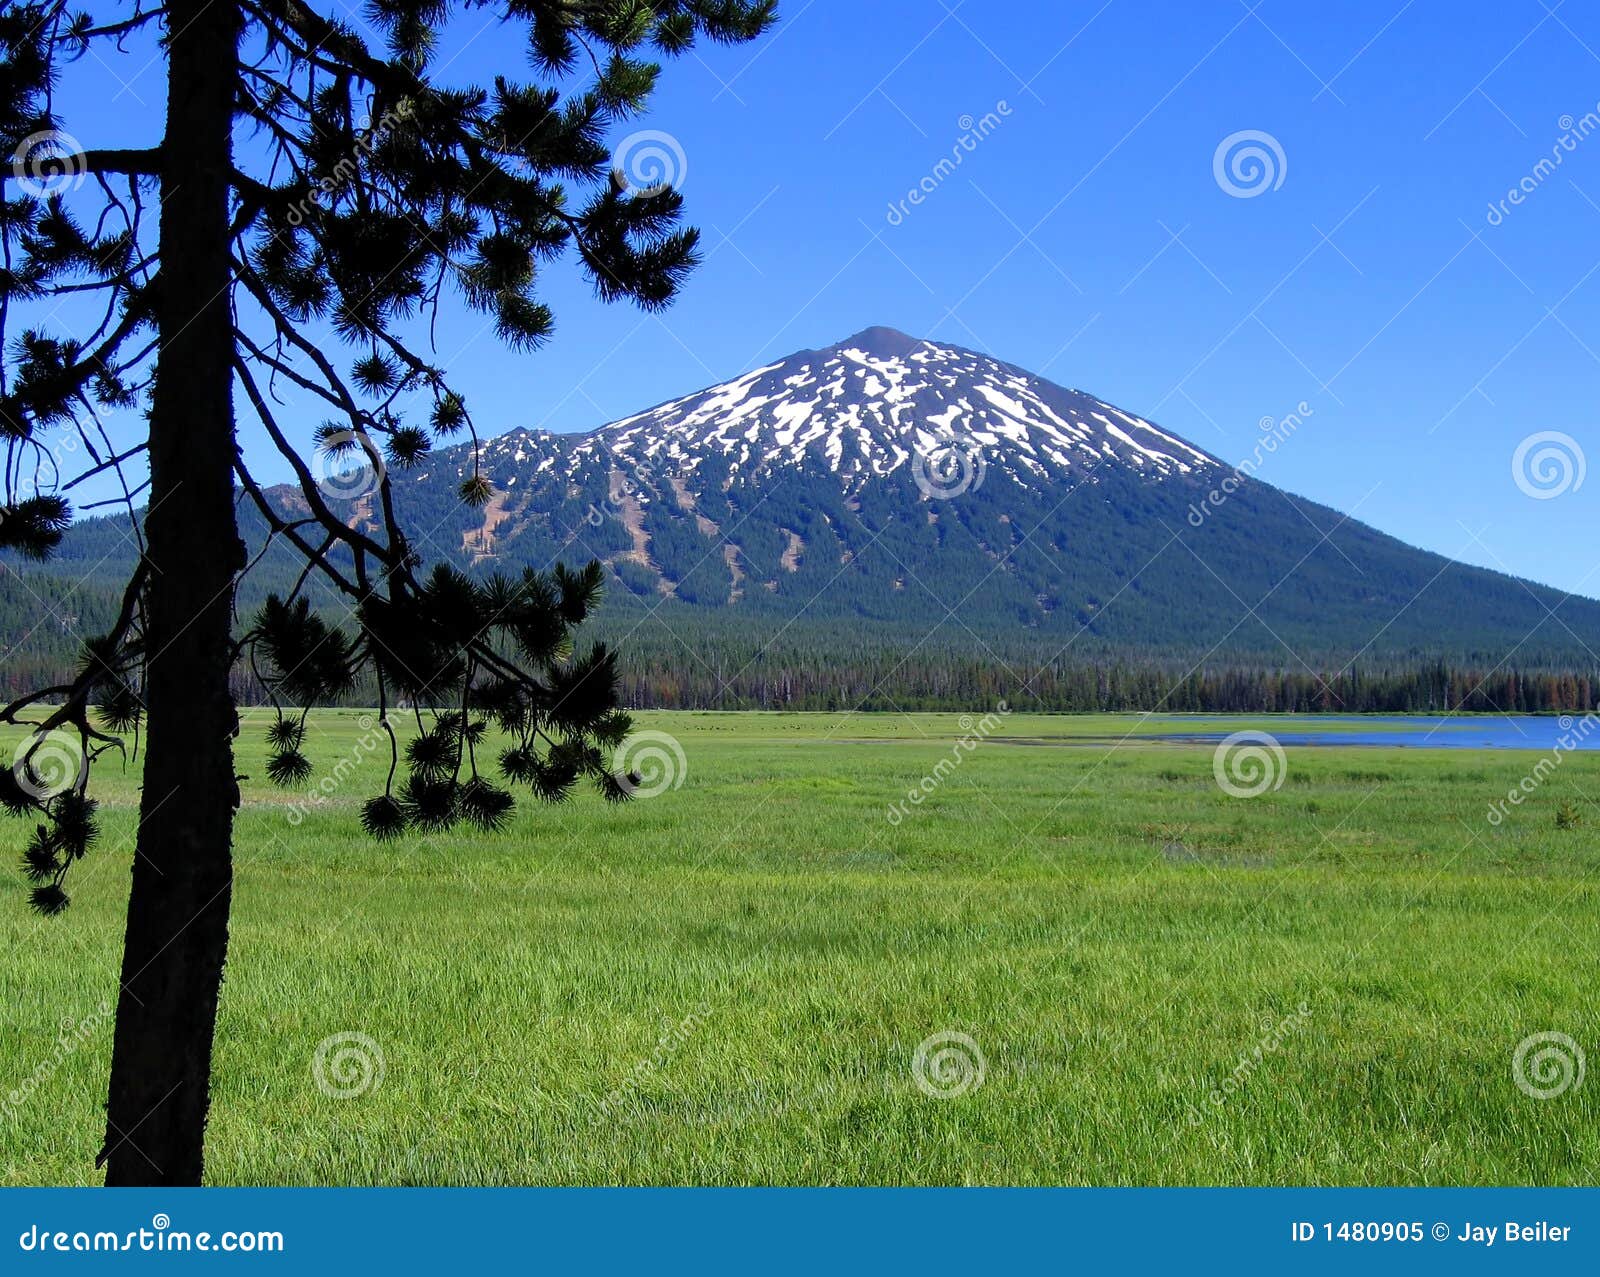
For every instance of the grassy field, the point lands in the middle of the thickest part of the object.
(729, 983)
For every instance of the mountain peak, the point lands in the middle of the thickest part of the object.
(880, 402)
(880, 342)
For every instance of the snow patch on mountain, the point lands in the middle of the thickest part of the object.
(863, 410)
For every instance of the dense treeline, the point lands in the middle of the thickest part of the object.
(896, 681)
(678, 658)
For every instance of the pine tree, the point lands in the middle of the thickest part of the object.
(318, 189)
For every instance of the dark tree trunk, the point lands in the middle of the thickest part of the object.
(177, 936)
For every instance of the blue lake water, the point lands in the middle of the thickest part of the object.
(1570, 731)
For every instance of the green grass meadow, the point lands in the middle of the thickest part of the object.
(729, 983)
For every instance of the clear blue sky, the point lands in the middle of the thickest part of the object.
(1088, 238)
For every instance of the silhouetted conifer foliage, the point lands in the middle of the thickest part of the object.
(321, 187)
(502, 650)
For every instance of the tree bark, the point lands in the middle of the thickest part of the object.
(177, 932)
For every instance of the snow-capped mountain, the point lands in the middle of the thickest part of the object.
(877, 403)
(885, 490)
(892, 480)
(873, 403)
